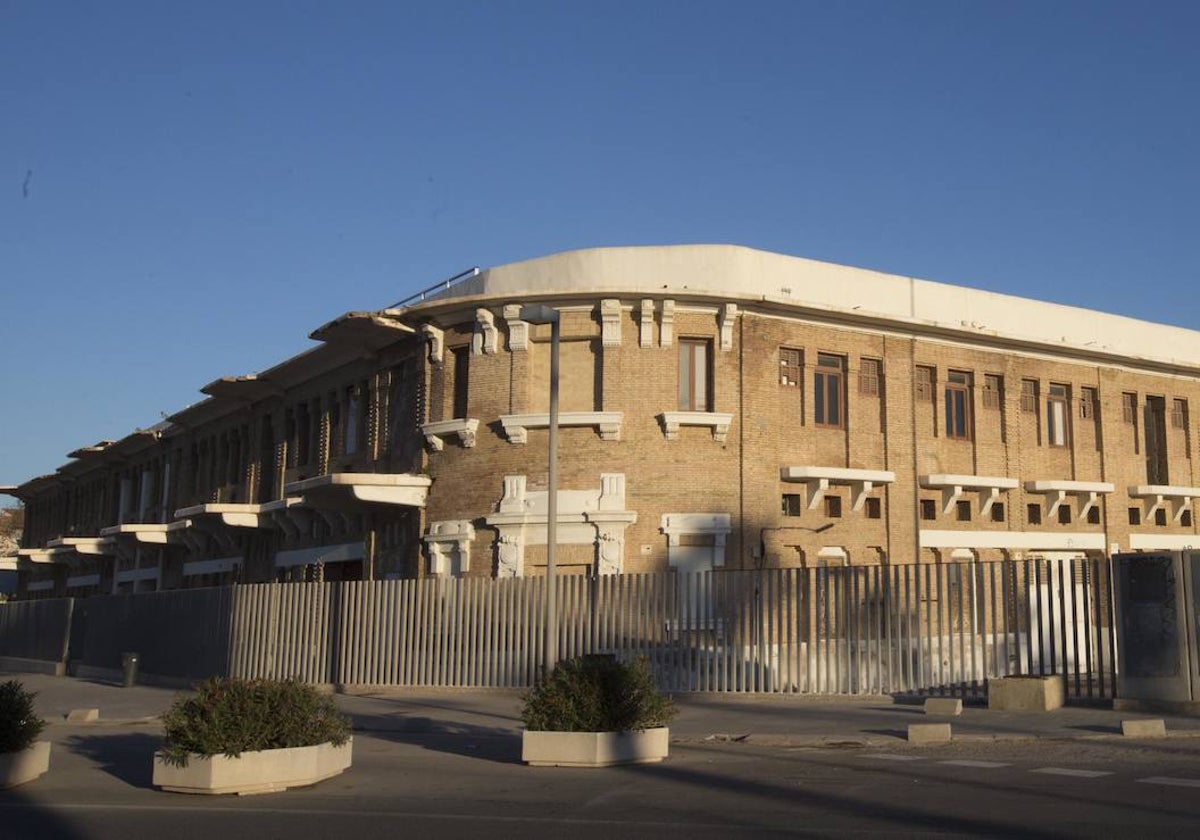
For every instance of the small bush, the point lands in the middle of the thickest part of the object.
(596, 694)
(229, 717)
(19, 724)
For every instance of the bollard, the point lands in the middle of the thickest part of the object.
(129, 669)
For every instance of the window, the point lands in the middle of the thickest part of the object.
(833, 507)
(1064, 514)
(791, 504)
(1056, 415)
(1185, 519)
(1029, 395)
(1088, 399)
(1135, 516)
(1160, 517)
(925, 378)
(1033, 513)
(790, 363)
(334, 409)
(1129, 408)
(828, 391)
(873, 508)
(396, 408)
(462, 378)
(928, 509)
(1179, 414)
(354, 417)
(869, 375)
(1093, 515)
(993, 390)
(694, 372)
(998, 511)
(962, 511)
(303, 435)
(958, 405)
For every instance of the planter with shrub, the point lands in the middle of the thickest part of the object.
(595, 712)
(22, 757)
(251, 736)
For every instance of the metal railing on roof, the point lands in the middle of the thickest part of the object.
(435, 289)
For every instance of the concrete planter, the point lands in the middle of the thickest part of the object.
(1026, 694)
(17, 768)
(263, 771)
(593, 749)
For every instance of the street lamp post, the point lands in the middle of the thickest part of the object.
(540, 314)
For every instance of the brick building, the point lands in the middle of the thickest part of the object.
(720, 407)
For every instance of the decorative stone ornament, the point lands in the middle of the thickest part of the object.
(646, 324)
(518, 330)
(486, 338)
(725, 321)
(449, 545)
(437, 343)
(610, 322)
(666, 332)
(585, 517)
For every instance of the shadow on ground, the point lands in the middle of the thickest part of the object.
(128, 756)
(490, 743)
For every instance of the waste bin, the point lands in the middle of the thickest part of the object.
(129, 668)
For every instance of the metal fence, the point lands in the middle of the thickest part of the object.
(849, 630)
(35, 630)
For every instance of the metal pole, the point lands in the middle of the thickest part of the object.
(552, 508)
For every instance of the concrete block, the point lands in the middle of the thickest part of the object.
(1026, 694)
(929, 733)
(1145, 728)
(943, 706)
(83, 715)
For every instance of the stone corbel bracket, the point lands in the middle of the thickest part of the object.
(607, 423)
(486, 338)
(646, 324)
(725, 320)
(1057, 493)
(666, 332)
(954, 487)
(436, 339)
(518, 330)
(465, 430)
(719, 422)
(610, 322)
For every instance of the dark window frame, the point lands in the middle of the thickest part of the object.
(829, 391)
(689, 399)
(958, 405)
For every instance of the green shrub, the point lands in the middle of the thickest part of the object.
(596, 694)
(19, 724)
(229, 717)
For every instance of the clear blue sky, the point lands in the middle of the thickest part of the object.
(188, 189)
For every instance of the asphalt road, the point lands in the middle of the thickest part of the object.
(446, 786)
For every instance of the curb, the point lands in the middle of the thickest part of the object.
(855, 741)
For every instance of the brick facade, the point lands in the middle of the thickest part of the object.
(818, 430)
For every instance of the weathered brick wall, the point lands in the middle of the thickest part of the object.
(774, 426)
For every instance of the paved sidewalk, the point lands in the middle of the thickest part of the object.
(765, 719)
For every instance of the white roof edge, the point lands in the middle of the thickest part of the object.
(735, 271)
